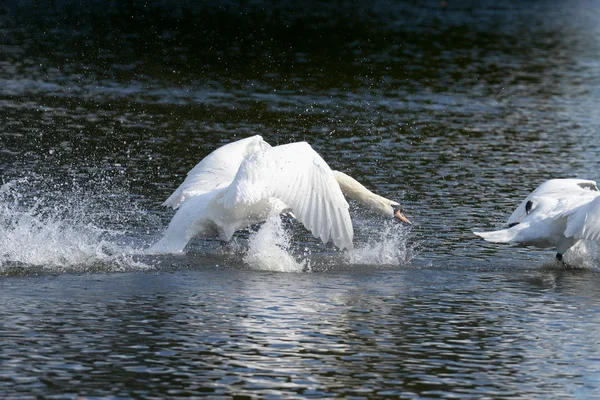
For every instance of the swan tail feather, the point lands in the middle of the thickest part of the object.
(174, 200)
(499, 236)
(167, 245)
(181, 229)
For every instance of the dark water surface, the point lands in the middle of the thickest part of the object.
(409, 333)
(457, 110)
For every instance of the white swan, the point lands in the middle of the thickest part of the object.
(242, 183)
(558, 214)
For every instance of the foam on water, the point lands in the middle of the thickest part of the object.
(269, 249)
(41, 232)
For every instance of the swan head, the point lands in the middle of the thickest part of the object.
(388, 208)
(399, 214)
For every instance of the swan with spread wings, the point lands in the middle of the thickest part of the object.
(242, 183)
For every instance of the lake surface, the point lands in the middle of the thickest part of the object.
(457, 111)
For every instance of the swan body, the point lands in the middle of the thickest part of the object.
(557, 214)
(242, 183)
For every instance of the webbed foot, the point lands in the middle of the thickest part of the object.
(560, 259)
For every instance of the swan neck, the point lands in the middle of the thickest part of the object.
(356, 191)
(351, 187)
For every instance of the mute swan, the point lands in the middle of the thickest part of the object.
(559, 213)
(243, 182)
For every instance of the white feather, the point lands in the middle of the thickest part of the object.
(561, 212)
(584, 222)
(294, 173)
(558, 189)
(216, 170)
(244, 182)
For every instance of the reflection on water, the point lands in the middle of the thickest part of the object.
(433, 333)
(456, 110)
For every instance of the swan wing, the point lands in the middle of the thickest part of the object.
(584, 221)
(567, 192)
(296, 175)
(216, 170)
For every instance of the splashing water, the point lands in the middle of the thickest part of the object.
(269, 249)
(37, 231)
(585, 255)
(387, 247)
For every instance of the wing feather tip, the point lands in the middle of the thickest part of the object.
(173, 201)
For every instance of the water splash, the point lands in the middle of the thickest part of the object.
(269, 249)
(387, 246)
(38, 232)
(584, 255)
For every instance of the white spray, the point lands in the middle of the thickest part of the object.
(57, 237)
(269, 249)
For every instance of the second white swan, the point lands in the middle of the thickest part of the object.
(558, 213)
(243, 182)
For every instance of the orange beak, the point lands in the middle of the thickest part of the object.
(401, 217)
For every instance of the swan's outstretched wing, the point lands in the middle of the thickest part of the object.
(216, 170)
(584, 221)
(296, 175)
(569, 193)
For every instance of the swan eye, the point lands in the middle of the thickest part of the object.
(528, 206)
